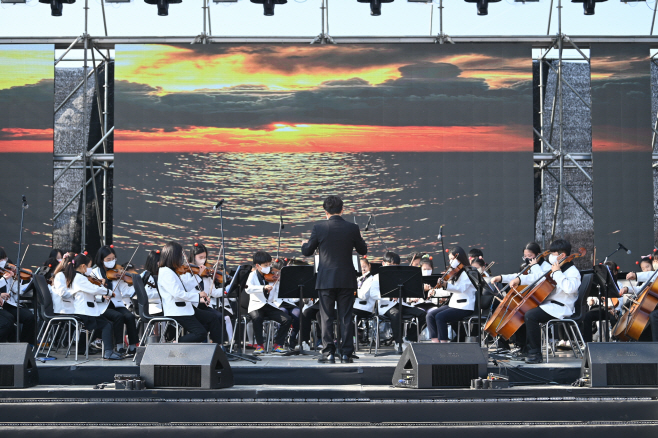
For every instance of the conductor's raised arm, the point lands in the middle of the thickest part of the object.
(309, 247)
(360, 244)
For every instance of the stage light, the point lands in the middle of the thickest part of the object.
(375, 6)
(163, 5)
(482, 5)
(588, 5)
(56, 6)
(268, 5)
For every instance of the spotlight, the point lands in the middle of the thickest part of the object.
(588, 5)
(268, 5)
(163, 5)
(375, 6)
(483, 5)
(56, 6)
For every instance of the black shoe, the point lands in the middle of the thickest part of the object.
(346, 359)
(533, 358)
(354, 356)
(112, 355)
(327, 359)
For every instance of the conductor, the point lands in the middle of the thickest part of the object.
(335, 239)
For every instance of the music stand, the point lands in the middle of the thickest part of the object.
(401, 282)
(607, 286)
(298, 282)
(478, 281)
(233, 290)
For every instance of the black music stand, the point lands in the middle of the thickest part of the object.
(607, 286)
(400, 282)
(478, 281)
(235, 288)
(298, 282)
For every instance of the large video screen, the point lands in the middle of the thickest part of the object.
(26, 149)
(418, 136)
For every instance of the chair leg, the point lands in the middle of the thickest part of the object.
(356, 333)
(43, 338)
(377, 335)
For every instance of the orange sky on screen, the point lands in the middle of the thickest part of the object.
(284, 138)
(26, 140)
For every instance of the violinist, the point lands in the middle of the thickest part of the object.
(287, 305)
(179, 297)
(57, 254)
(261, 307)
(63, 301)
(645, 276)
(151, 265)
(117, 312)
(9, 288)
(85, 305)
(462, 298)
(559, 304)
(198, 257)
(364, 304)
(427, 269)
(390, 308)
(475, 254)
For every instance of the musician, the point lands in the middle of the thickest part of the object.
(462, 298)
(474, 254)
(596, 312)
(365, 302)
(289, 306)
(198, 256)
(116, 312)
(85, 305)
(10, 301)
(57, 254)
(644, 276)
(151, 265)
(178, 298)
(426, 268)
(6, 325)
(559, 304)
(63, 301)
(416, 258)
(390, 308)
(261, 304)
(335, 239)
(538, 268)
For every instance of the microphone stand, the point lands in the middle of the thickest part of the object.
(443, 249)
(24, 206)
(281, 227)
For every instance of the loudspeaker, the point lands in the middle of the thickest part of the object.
(620, 364)
(18, 369)
(443, 365)
(200, 366)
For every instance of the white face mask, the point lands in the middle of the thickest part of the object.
(427, 272)
(202, 262)
(89, 271)
(59, 260)
(110, 265)
(265, 270)
(3, 263)
(655, 266)
(552, 259)
(454, 263)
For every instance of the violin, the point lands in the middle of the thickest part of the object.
(449, 275)
(118, 273)
(26, 274)
(273, 276)
(196, 269)
(94, 280)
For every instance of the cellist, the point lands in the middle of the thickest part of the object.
(645, 276)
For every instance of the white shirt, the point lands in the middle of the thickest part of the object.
(643, 277)
(84, 293)
(566, 293)
(535, 272)
(209, 288)
(122, 291)
(384, 304)
(256, 295)
(366, 295)
(461, 292)
(12, 287)
(176, 300)
(63, 301)
(155, 303)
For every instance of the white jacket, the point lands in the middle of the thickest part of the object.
(643, 277)
(385, 304)
(208, 287)
(84, 293)
(257, 298)
(63, 301)
(155, 303)
(560, 303)
(12, 287)
(122, 293)
(531, 276)
(178, 298)
(462, 293)
(366, 295)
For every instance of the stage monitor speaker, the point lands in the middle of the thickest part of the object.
(448, 365)
(620, 364)
(191, 366)
(18, 369)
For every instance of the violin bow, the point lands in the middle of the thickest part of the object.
(189, 268)
(124, 268)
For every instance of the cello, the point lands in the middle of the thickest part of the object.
(535, 296)
(635, 320)
(511, 301)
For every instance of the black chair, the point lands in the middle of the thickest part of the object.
(49, 316)
(572, 324)
(143, 305)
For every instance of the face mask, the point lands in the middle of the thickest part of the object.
(552, 259)
(89, 271)
(110, 265)
(59, 260)
(526, 260)
(265, 270)
(3, 263)
(202, 262)
(655, 266)
(427, 272)
(454, 263)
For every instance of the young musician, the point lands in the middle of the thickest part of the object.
(645, 276)
(597, 312)
(85, 305)
(287, 305)
(10, 302)
(389, 307)
(117, 312)
(151, 265)
(462, 298)
(63, 301)
(260, 306)
(365, 302)
(474, 254)
(178, 298)
(538, 268)
(559, 304)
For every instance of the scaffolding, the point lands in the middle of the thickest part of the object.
(551, 161)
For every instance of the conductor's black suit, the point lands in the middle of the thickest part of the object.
(335, 239)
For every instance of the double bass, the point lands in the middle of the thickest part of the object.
(635, 320)
(535, 296)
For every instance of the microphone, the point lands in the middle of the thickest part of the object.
(628, 251)
(281, 226)
(25, 205)
(368, 224)
(440, 236)
(219, 204)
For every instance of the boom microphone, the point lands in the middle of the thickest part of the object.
(440, 236)
(25, 202)
(281, 226)
(219, 204)
(628, 251)
(368, 224)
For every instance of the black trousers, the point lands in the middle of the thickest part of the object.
(7, 327)
(407, 312)
(589, 318)
(307, 320)
(533, 331)
(218, 314)
(117, 320)
(329, 298)
(27, 322)
(102, 325)
(131, 325)
(271, 313)
(199, 325)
